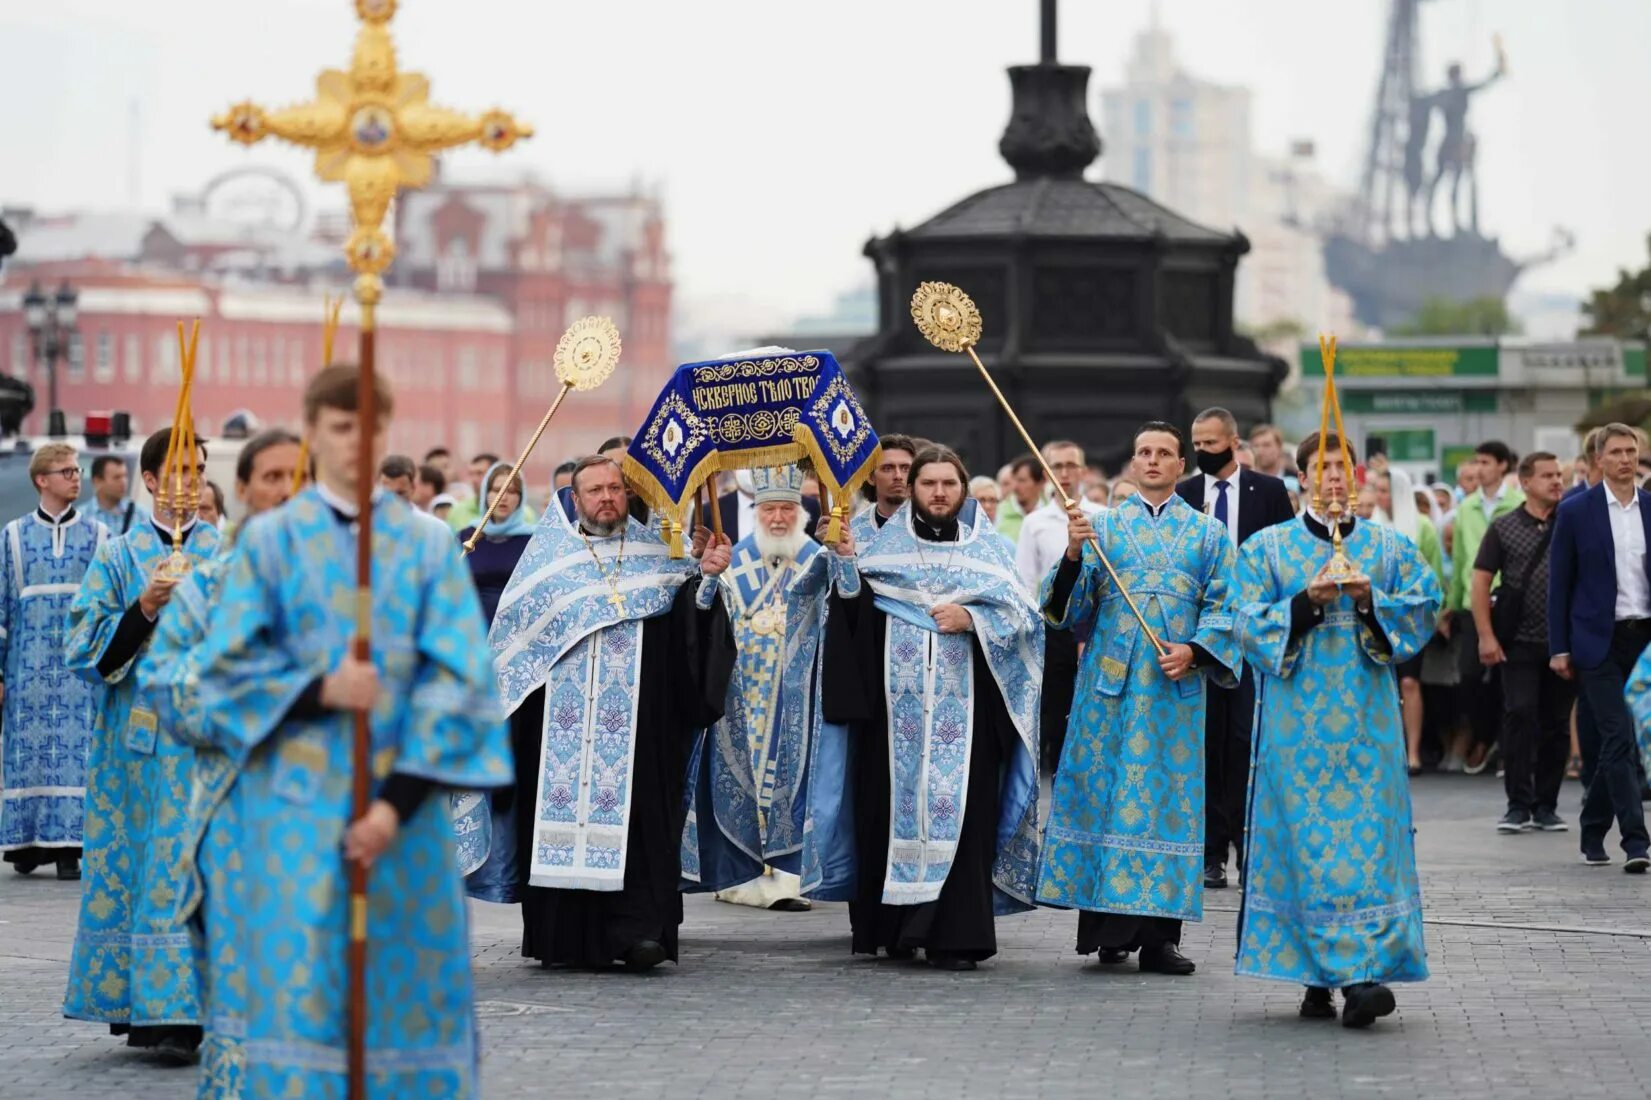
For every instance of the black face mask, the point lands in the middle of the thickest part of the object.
(1213, 462)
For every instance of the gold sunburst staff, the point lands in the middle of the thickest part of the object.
(585, 356)
(330, 308)
(949, 319)
(179, 487)
(1340, 569)
(373, 128)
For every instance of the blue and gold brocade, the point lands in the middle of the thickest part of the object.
(128, 790)
(1331, 894)
(285, 617)
(1126, 825)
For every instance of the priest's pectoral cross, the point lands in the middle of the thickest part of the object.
(617, 600)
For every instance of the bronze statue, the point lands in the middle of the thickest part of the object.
(1455, 154)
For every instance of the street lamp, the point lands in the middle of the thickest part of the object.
(51, 321)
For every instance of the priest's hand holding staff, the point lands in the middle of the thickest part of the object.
(1079, 531)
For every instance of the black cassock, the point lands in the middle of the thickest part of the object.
(687, 658)
(960, 923)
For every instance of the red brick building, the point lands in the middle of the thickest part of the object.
(486, 280)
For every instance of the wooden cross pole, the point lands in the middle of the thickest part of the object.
(373, 129)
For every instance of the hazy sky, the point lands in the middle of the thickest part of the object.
(783, 133)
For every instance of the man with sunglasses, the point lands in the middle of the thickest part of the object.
(49, 712)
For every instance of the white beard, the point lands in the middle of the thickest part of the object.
(785, 547)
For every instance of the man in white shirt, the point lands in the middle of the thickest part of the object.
(1043, 534)
(1042, 545)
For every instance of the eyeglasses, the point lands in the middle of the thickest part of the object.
(70, 472)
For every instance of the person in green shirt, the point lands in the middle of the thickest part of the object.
(1481, 693)
(1025, 495)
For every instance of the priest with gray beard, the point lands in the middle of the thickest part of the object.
(742, 838)
(610, 654)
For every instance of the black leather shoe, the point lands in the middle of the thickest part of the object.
(902, 954)
(644, 956)
(177, 1050)
(1318, 1004)
(1215, 876)
(1166, 959)
(941, 960)
(791, 905)
(1112, 956)
(68, 869)
(1366, 1003)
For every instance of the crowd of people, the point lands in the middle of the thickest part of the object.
(1222, 663)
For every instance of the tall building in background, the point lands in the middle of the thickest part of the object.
(1187, 143)
(1182, 141)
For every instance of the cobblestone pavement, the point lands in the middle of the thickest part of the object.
(1541, 987)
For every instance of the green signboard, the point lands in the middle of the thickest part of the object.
(1633, 360)
(1413, 401)
(1403, 362)
(1452, 457)
(1407, 444)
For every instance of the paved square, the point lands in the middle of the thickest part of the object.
(1541, 988)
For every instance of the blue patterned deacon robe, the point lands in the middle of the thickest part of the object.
(743, 781)
(1330, 890)
(283, 619)
(210, 851)
(929, 685)
(50, 712)
(125, 790)
(1638, 693)
(1126, 821)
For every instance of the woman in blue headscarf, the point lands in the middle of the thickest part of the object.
(504, 540)
(486, 823)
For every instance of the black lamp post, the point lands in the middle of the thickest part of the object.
(51, 321)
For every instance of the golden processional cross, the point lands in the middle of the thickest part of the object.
(374, 129)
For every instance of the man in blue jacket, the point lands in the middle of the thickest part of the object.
(1599, 621)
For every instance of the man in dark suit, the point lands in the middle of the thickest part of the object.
(1245, 501)
(1599, 621)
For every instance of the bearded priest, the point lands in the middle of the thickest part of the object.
(735, 843)
(610, 654)
(940, 685)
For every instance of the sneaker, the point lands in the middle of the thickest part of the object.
(1514, 821)
(1637, 865)
(1595, 857)
(1484, 762)
(1548, 822)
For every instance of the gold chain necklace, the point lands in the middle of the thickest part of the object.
(612, 582)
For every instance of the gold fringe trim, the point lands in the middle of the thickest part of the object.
(804, 446)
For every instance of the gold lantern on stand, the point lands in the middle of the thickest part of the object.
(1340, 569)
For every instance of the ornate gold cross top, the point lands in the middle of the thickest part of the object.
(375, 129)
